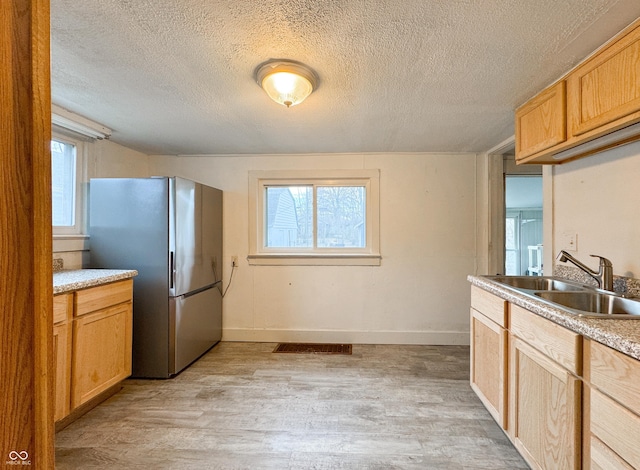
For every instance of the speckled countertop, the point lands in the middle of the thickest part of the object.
(67, 281)
(621, 335)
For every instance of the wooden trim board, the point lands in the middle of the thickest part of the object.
(26, 336)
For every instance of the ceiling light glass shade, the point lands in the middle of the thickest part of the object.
(286, 82)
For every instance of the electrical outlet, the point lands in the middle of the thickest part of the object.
(569, 241)
(234, 261)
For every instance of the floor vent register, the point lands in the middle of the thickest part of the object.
(313, 348)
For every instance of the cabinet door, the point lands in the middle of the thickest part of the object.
(605, 90)
(544, 409)
(101, 351)
(488, 365)
(541, 122)
(62, 362)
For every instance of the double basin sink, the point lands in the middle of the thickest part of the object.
(573, 297)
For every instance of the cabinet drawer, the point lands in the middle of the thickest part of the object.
(615, 374)
(603, 458)
(96, 298)
(62, 305)
(560, 344)
(616, 427)
(489, 305)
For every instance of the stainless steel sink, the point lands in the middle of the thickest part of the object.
(573, 297)
(594, 304)
(539, 283)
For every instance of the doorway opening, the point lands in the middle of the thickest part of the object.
(523, 225)
(514, 217)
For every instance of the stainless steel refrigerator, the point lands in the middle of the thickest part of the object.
(170, 230)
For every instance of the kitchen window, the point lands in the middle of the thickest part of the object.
(314, 218)
(66, 185)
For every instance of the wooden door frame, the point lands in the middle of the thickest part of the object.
(26, 362)
(498, 165)
(492, 208)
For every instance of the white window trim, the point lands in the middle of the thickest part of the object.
(263, 256)
(79, 227)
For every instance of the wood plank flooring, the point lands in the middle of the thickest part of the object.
(242, 407)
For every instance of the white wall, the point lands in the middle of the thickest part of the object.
(107, 159)
(428, 241)
(598, 198)
(104, 159)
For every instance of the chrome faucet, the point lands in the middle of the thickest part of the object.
(604, 277)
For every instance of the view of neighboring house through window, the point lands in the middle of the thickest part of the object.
(63, 183)
(288, 217)
(315, 216)
(312, 217)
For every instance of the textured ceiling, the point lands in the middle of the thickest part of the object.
(176, 77)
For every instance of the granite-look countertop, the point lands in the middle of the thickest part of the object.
(67, 281)
(621, 335)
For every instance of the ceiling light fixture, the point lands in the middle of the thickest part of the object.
(286, 81)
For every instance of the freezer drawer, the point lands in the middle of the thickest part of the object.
(195, 326)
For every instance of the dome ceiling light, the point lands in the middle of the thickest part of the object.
(286, 81)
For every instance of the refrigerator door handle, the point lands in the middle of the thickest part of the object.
(172, 270)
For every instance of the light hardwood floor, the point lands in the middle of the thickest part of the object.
(242, 407)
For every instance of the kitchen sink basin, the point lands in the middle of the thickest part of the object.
(594, 304)
(538, 283)
(573, 297)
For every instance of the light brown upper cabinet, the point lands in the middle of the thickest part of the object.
(599, 96)
(604, 92)
(541, 122)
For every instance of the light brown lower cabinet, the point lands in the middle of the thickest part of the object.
(62, 312)
(603, 458)
(567, 402)
(92, 339)
(544, 409)
(101, 352)
(488, 362)
(488, 365)
(616, 429)
(527, 371)
(614, 407)
(62, 361)
(545, 392)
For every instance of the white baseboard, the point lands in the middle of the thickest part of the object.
(355, 337)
